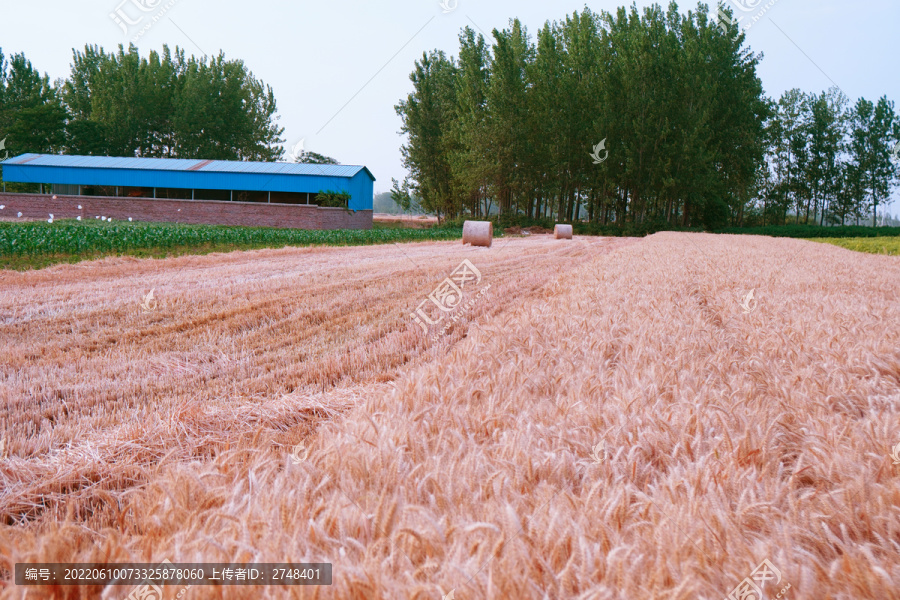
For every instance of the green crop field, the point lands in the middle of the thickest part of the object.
(872, 245)
(39, 244)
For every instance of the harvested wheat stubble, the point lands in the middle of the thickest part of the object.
(478, 233)
(100, 399)
(562, 232)
(731, 437)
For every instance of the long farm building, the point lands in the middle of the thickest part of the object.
(215, 192)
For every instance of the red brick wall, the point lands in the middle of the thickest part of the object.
(184, 211)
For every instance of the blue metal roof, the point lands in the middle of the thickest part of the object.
(186, 164)
(193, 174)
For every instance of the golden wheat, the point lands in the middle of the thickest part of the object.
(737, 426)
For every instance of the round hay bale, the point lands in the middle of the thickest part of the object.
(478, 233)
(562, 232)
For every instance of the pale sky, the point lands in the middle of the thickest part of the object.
(338, 67)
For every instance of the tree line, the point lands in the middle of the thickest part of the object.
(634, 117)
(121, 104)
(827, 162)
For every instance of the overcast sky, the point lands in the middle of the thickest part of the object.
(339, 67)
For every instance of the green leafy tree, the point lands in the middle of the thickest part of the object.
(583, 122)
(314, 158)
(636, 116)
(547, 114)
(333, 199)
(471, 162)
(851, 188)
(402, 196)
(872, 137)
(790, 145)
(32, 118)
(826, 129)
(428, 115)
(386, 203)
(511, 52)
(222, 112)
(167, 105)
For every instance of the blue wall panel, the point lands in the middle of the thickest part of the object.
(360, 185)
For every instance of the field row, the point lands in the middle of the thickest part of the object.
(38, 244)
(870, 245)
(612, 418)
(111, 365)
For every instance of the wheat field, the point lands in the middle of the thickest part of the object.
(611, 418)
